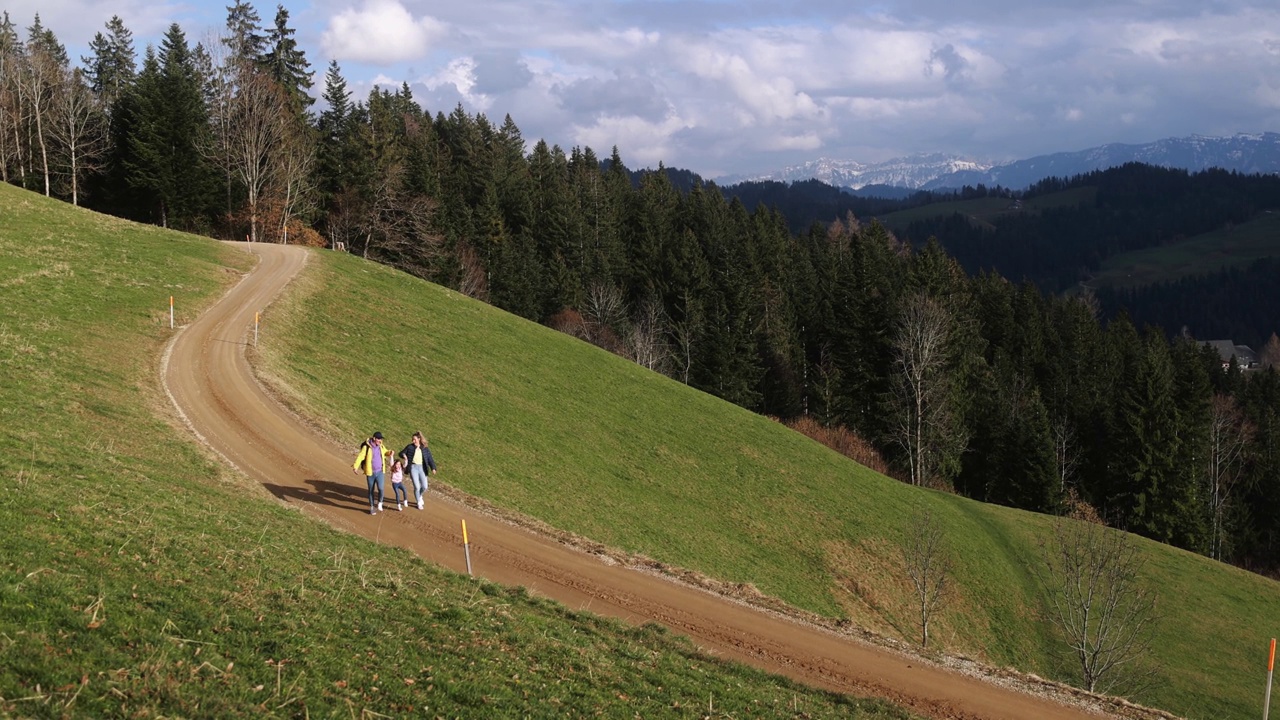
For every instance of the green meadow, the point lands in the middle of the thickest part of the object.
(983, 212)
(1206, 253)
(545, 425)
(140, 579)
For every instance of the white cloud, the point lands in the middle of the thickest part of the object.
(381, 32)
(643, 143)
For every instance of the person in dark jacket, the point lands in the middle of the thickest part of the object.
(417, 457)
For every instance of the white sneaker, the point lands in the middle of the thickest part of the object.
(379, 504)
(372, 510)
(419, 503)
(400, 507)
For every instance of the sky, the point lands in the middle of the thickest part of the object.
(742, 88)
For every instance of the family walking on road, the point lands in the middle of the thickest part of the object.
(375, 459)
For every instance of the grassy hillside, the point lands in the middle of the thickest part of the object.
(539, 422)
(139, 580)
(1212, 251)
(984, 211)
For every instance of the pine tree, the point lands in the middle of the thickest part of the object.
(1145, 494)
(286, 63)
(112, 67)
(168, 128)
(244, 39)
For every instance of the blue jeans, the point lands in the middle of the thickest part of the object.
(398, 489)
(419, 480)
(378, 479)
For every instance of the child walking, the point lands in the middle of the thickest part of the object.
(397, 486)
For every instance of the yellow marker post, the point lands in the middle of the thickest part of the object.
(255, 329)
(466, 546)
(1271, 665)
(170, 312)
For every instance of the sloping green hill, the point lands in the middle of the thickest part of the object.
(1201, 254)
(137, 580)
(982, 212)
(536, 421)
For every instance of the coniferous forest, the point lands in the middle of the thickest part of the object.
(960, 380)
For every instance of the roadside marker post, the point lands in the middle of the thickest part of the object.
(1271, 665)
(466, 546)
(170, 312)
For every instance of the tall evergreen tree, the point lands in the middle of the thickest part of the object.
(112, 66)
(286, 63)
(169, 129)
(1145, 434)
(244, 40)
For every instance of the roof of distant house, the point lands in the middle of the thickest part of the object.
(1244, 355)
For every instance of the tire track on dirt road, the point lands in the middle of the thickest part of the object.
(207, 374)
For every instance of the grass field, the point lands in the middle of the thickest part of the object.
(535, 421)
(1210, 252)
(984, 211)
(140, 579)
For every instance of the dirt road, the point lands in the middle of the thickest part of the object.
(209, 378)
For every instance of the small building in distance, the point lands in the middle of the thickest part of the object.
(1245, 357)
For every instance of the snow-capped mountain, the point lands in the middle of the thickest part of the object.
(909, 172)
(1246, 153)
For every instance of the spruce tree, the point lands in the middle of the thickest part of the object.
(286, 63)
(112, 66)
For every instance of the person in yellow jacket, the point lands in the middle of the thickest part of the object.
(373, 459)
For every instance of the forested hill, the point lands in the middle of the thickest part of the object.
(1056, 237)
(961, 381)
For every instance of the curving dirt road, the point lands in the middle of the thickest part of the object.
(210, 381)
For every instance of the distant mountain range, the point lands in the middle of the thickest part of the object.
(1246, 153)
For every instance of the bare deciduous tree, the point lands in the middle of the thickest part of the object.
(925, 557)
(647, 342)
(292, 177)
(605, 309)
(78, 126)
(926, 427)
(38, 80)
(1066, 454)
(474, 281)
(1096, 598)
(1229, 434)
(254, 134)
(1270, 354)
(10, 92)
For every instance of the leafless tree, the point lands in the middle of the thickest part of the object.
(293, 159)
(1066, 453)
(38, 80)
(925, 557)
(220, 92)
(474, 281)
(605, 309)
(78, 126)
(1230, 432)
(647, 341)
(826, 384)
(1270, 354)
(926, 428)
(255, 134)
(10, 93)
(1097, 600)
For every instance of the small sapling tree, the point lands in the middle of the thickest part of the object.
(1096, 598)
(928, 564)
